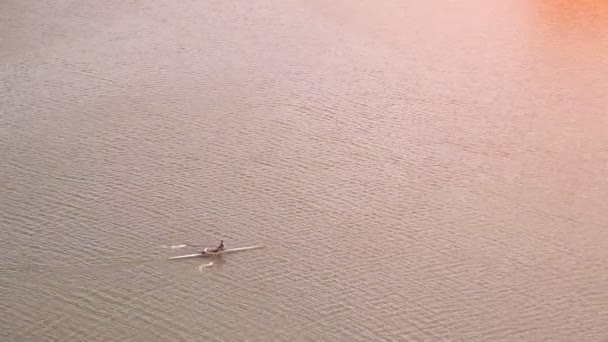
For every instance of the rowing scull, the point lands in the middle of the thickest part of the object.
(205, 254)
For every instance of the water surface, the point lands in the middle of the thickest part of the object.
(417, 171)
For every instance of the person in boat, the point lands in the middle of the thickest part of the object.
(216, 249)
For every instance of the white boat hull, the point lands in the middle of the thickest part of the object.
(210, 254)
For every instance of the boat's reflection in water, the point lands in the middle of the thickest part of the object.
(204, 266)
(218, 261)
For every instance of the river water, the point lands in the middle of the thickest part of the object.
(417, 171)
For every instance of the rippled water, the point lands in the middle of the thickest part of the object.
(420, 171)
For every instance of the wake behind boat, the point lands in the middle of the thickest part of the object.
(209, 252)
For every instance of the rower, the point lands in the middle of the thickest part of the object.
(217, 249)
